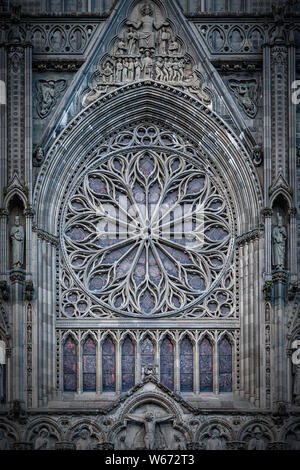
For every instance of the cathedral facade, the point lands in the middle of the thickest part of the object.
(150, 172)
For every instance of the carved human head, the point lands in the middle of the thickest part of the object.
(149, 416)
(215, 432)
(44, 432)
(257, 431)
(146, 10)
(84, 434)
(279, 219)
(17, 220)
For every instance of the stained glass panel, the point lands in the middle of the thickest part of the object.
(128, 365)
(206, 366)
(186, 366)
(108, 366)
(225, 366)
(147, 352)
(70, 365)
(167, 364)
(89, 366)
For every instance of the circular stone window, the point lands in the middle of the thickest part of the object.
(147, 233)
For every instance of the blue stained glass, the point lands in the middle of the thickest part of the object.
(206, 366)
(186, 366)
(167, 364)
(108, 366)
(89, 366)
(225, 366)
(147, 352)
(70, 365)
(128, 365)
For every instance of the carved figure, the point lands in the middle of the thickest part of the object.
(149, 422)
(48, 93)
(279, 238)
(17, 238)
(257, 442)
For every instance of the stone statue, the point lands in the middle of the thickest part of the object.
(215, 442)
(83, 441)
(131, 41)
(119, 71)
(174, 47)
(125, 70)
(295, 443)
(108, 73)
(164, 41)
(296, 386)
(147, 65)
(42, 441)
(121, 47)
(137, 69)
(279, 237)
(149, 422)
(4, 445)
(17, 238)
(146, 27)
(257, 442)
(279, 12)
(130, 70)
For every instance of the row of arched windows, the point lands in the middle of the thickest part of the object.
(147, 357)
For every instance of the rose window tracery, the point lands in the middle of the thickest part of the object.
(147, 232)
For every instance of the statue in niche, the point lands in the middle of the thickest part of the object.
(147, 65)
(4, 444)
(137, 69)
(130, 70)
(121, 47)
(279, 12)
(257, 442)
(149, 422)
(174, 47)
(131, 41)
(294, 444)
(108, 73)
(164, 40)
(146, 27)
(296, 385)
(215, 441)
(119, 71)
(279, 238)
(17, 240)
(125, 70)
(83, 442)
(42, 442)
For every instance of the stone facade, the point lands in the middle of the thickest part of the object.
(149, 115)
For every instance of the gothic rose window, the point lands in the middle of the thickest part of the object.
(145, 233)
(108, 365)
(89, 365)
(128, 364)
(225, 366)
(186, 365)
(206, 366)
(70, 365)
(167, 364)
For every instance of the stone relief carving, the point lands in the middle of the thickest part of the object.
(246, 93)
(279, 238)
(43, 436)
(147, 48)
(292, 438)
(214, 437)
(85, 437)
(296, 385)
(17, 241)
(150, 436)
(47, 94)
(7, 437)
(256, 437)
